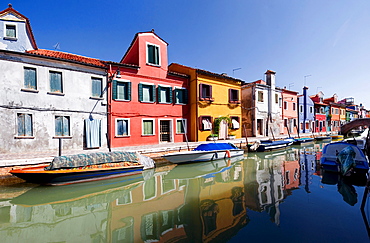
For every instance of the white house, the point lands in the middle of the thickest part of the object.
(261, 107)
(47, 95)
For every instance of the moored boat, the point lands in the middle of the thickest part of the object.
(299, 141)
(344, 157)
(322, 138)
(205, 152)
(85, 167)
(268, 145)
(337, 137)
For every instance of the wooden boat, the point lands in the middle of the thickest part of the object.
(205, 152)
(322, 138)
(344, 158)
(268, 145)
(337, 137)
(85, 167)
(300, 141)
(360, 141)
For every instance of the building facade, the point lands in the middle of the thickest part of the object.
(50, 100)
(289, 112)
(214, 101)
(306, 114)
(147, 103)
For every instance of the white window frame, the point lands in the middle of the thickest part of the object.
(128, 127)
(142, 127)
(147, 55)
(184, 124)
(32, 124)
(126, 81)
(16, 30)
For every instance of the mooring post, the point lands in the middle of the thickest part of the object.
(60, 146)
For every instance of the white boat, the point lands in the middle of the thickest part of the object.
(360, 141)
(205, 152)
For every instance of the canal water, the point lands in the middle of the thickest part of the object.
(266, 197)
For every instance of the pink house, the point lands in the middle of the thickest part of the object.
(147, 104)
(289, 111)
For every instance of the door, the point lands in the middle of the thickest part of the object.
(165, 131)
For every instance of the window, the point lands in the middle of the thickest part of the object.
(121, 90)
(235, 122)
(146, 92)
(311, 109)
(322, 110)
(180, 126)
(122, 127)
(205, 92)
(62, 126)
(285, 123)
(96, 84)
(205, 123)
(164, 94)
(260, 96)
(301, 108)
(294, 106)
(181, 96)
(56, 84)
(148, 127)
(25, 125)
(276, 98)
(153, 57)
(285, 105)
(233, 96)
(11, 31)
(30, 79)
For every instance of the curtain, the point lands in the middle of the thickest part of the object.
(92, 133)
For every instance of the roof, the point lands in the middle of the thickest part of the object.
(28, 25)
(68, 57)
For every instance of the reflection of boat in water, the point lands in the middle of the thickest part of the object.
(205, 152)
(96, 191)
(201, 169)
(85, 167)
(345, 184)
(302, 141)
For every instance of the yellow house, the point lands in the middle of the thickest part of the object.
(214, 103)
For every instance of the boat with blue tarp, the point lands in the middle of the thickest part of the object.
(205, 152)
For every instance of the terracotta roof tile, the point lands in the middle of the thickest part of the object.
(68, 57)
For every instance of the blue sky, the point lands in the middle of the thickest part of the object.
(328, 41)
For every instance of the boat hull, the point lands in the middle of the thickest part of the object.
(274, 145)
(202, 156)
(329, 161)
(69, 176)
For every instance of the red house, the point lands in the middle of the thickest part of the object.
(321, 112)
(147, 104)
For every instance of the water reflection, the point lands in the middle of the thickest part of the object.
(192, 202)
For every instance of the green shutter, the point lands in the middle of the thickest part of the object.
(186, 96)
(154, 93)
(114, 90)
(159, 89)
(129, 91)
(140, 92)
(170, 95)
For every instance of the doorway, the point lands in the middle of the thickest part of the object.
(165, 131)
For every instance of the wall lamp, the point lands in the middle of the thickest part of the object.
(117, 73)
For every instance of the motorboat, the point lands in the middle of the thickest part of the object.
(71, 169)
(344, 157)
(205, 152)
(360, 141)
(300, 141)
(268, 145)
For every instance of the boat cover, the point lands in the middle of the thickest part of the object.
(82, 160)
(215, 146)
(346, 158)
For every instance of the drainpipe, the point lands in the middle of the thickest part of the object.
(304, 108)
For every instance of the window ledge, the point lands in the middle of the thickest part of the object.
(121, 100)
(30, 90)
(151, 102)
(62, 137)
(10, 38)
(180, 104)
(55, 93)
(147, 135)
(24, 137)
(96, 98)
(153, 65)
(122, 136)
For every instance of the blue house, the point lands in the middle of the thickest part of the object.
(306, 115)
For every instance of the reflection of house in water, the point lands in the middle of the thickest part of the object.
(307, 162)
(273, 171)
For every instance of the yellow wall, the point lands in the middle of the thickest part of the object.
(219, 107)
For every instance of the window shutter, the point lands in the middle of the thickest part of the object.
(186, 96)
(159, 89)
(129, 91)
(200, 90)
(140, 92)
(114, 90)
(154, 93)
(21, 125)
(210, 91)
(230, 94)
(58, 126)
(170, 95)
(65, 126)
(28, 125)
(151, 54)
